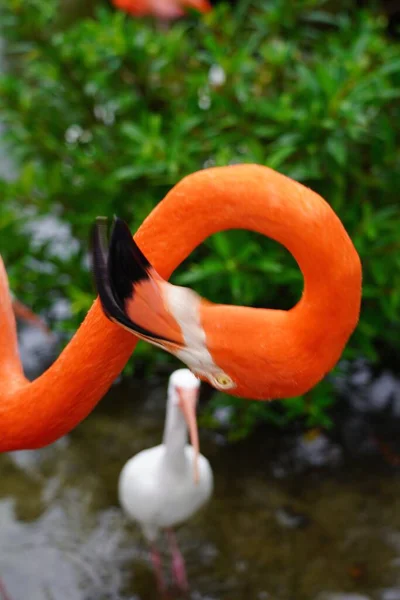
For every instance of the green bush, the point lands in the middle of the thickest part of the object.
(105, 115)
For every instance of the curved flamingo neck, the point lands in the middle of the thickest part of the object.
(37, 413)
(10, 363)
(280, 353)
(245, 196)
(255, 198)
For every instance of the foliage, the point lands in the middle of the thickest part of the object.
(105, 115)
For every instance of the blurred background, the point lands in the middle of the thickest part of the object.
(102, 112)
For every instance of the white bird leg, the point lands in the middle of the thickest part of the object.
(178, 563)
(157, 568)
(3, 592)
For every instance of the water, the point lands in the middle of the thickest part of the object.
(292, 517)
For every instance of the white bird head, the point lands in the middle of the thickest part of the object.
(183, 391)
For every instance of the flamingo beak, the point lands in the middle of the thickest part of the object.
(188, 403)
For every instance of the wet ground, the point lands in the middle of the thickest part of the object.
(293, 517)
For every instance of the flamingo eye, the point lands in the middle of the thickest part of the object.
(222, 380)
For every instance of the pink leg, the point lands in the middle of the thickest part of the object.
(157, 568)
(3, 592)
(178, 563)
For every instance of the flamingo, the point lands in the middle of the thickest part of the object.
(163, 9)
(157, 488)
(264, 353)
(236, 349)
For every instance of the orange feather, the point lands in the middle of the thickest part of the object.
(148, 299)
(271, 353)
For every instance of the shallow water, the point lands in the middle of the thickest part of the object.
(295, 517)
(276, 528)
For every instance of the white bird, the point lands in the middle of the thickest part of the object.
(165, 485)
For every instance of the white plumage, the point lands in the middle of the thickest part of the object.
(163, 486)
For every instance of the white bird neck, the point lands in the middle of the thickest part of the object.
(175, 431)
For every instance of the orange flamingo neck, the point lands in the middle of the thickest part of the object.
(279, 353)
(243, 196)
(10, 364)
